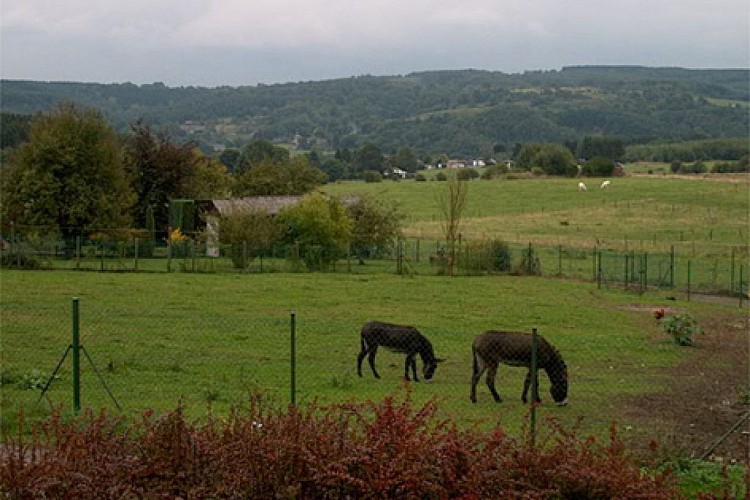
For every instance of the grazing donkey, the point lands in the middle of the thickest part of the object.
(399, 338)
(514, 349)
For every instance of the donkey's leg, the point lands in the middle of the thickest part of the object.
(371, 360)
(361, 357)
(491, 373)
(477, 369)
(411, 362)
(477, 372)
(526, 385)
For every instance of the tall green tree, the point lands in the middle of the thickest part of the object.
(69, 176)
(368, 157)
(14, 129)
(405, 159)
(211, 178)
(161, 170)
(292, 177)
(230, 157)
(600, 147)
(259, 151)
(554, 159)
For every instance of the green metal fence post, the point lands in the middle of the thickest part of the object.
(626, 271)
(76, 345)
(135, 252)
(293, 358)
(741, 292)
(731, 275)
(78, 252)
(169, 249)
(596, 253)
(671, 266)
(534, 386)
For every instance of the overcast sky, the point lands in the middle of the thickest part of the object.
(245, 42)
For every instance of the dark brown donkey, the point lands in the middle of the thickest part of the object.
(399, 338)
(514, 349)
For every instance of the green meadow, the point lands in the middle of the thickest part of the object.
(207, 340)
(649, 212)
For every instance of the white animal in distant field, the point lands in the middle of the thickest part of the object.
(605, 184)
(581, 186)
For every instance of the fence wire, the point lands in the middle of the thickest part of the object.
(713, 269)
(135, 357)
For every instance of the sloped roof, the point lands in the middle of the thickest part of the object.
(269, 204)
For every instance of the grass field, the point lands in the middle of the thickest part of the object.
(208, 339)
(649, 212)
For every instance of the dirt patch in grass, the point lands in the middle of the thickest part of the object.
(707, 395)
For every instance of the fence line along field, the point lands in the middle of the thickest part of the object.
(208, 340)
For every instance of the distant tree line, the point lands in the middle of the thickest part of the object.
(458, 113)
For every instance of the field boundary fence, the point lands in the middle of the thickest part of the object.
(719, 270)
(138, 358)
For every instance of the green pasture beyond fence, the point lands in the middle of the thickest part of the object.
(717, 269)
(129, 356)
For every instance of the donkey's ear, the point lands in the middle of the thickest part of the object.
(439, 360)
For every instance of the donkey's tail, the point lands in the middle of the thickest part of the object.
(475, 362)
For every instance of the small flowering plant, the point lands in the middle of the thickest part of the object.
(176, 236)
(682, 327)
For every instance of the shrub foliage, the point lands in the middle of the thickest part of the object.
(388, 449)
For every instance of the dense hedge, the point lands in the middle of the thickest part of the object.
(376, 450)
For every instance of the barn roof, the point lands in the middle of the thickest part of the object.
(269, 204)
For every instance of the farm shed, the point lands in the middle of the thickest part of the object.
(211, 212)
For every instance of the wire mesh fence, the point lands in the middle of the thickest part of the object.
(711, 269)
(131, 358)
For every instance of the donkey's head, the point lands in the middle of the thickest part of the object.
(559, 387)
(430, 367)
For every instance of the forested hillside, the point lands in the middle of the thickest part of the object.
(459, 113)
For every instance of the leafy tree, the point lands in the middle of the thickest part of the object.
(405, 159)
(14, 129)
(313, 158)
(599, 167)
(335, 169)
(601, 146)
(230, 158)
(211, 179)
(160, 170)
(368, 157)
(344, 155)
(377, 226)
(320, 227)
(267, 178)
(554, 159)
(257, 151)
(69, 176)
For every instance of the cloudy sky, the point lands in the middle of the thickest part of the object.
(245, 42)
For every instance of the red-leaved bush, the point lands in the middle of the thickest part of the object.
(388, 449)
